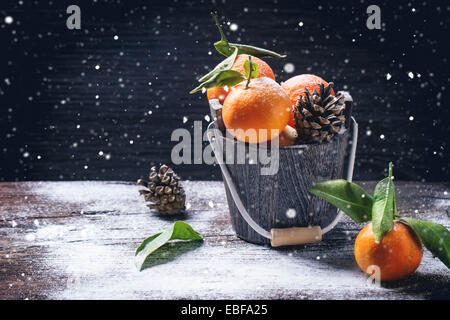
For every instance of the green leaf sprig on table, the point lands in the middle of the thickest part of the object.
(381, 209)
(180, 230)
(221, 75)
(435, 237)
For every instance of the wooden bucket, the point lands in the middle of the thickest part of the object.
(281, 200)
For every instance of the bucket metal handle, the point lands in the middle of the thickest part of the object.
(278, 236)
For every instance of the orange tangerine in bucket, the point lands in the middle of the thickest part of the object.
(257, 113)
(264, 70)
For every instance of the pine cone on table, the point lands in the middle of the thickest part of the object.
(164, 191)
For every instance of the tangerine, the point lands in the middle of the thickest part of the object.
(287, 137)
(397, 255)
(250, 114)
(295, 87)
(264, 70)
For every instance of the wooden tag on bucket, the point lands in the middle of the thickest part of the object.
(295, 236)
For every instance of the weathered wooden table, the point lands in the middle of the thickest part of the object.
(76, 240)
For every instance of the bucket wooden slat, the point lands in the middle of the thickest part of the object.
(269, 197)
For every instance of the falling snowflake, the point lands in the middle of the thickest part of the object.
(289, 67)
(291, 213)
(9, 20)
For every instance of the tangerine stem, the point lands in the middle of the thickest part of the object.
(222, 34)
(249, 72)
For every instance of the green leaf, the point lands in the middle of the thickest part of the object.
(435, 237)
(222, 46)
(347, 196)
(255, 51)
(395, 203)
(223, 78)
(224, 65)
(384, 207)
(145, 242)
(255, 69)
(179, 230)
(225, 48)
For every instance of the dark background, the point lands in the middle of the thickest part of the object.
(60, 118)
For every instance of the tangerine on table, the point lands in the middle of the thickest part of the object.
(264, 105)
(295, 87)
(264, 70)
(397, 255)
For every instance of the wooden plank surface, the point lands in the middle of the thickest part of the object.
(76, 240)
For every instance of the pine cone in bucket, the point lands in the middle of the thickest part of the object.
(164, 191)
(320, 115)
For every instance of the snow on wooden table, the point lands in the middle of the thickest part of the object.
(76, 240)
